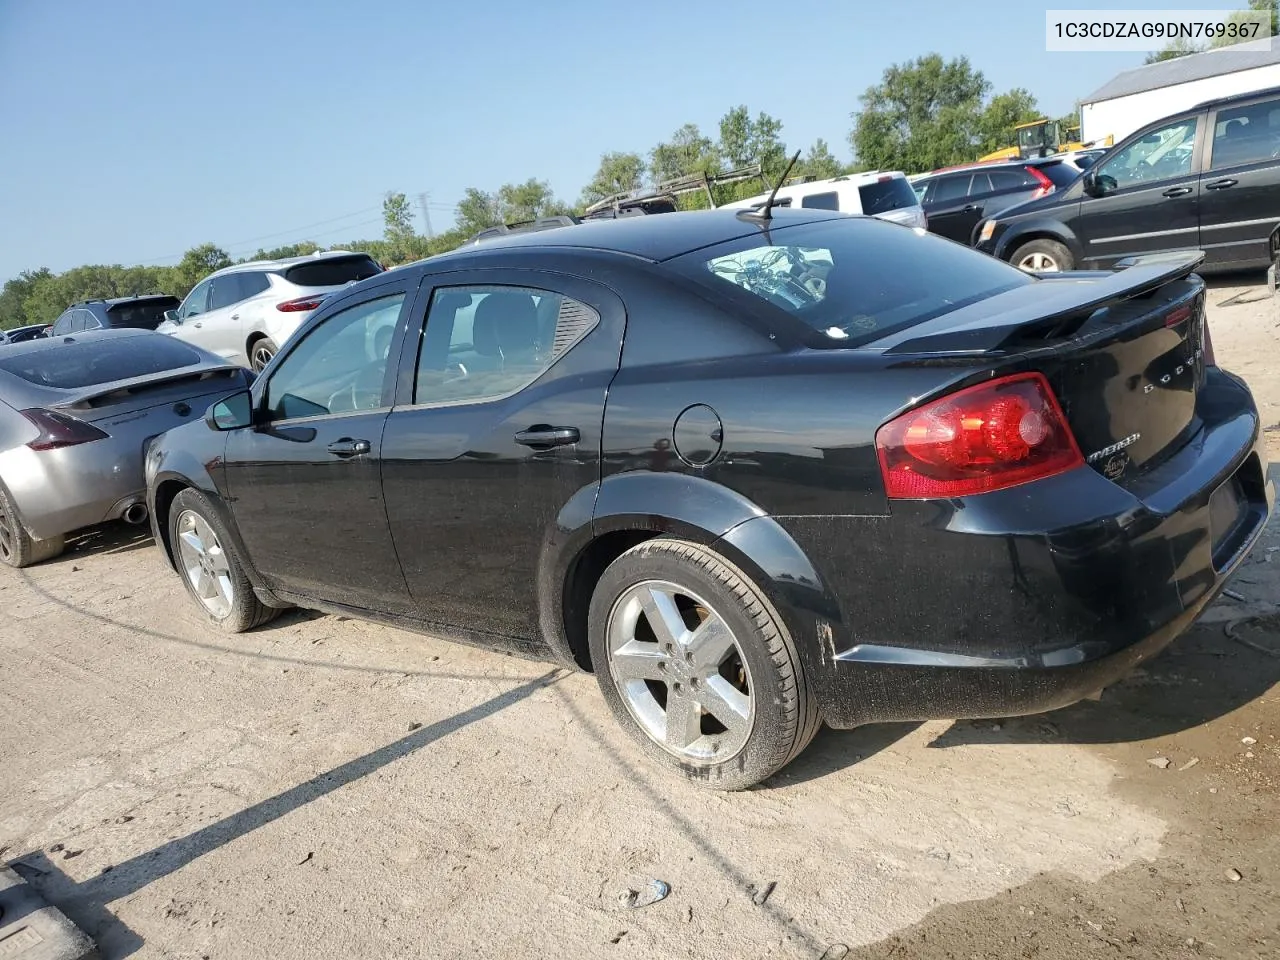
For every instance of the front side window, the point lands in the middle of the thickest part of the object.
(1246, 134)
(486, 342)
(197, 301)
(1160, 155)
(340, 366)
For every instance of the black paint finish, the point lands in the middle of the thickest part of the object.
(697, 422)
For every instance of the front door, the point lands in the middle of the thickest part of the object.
(1240, 187)
(1146, 198)
(305, 483)
(498, 431)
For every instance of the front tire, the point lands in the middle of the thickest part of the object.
(1043, 256)
(260, 353)
(210, 567)
(697, 666)
(18, 548)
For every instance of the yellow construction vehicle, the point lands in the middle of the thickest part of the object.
(1041, 138)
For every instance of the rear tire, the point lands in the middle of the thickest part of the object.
(716, 690)
(17, 547)
(260, 353)
(211, 568)
(1043, 256)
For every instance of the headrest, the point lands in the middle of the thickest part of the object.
(505, 323)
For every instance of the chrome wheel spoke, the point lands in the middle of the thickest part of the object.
(663, 616)
(684, 719)
(710, 643)
(726, 703)
(639, 661)
(205, 563)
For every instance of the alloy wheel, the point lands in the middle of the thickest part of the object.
(680, 671)
(261, 356)
(7, 535)
(205, 564)
(1038, 263)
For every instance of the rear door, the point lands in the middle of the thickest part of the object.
(948, 208)
(1146, 196)
(495, 431)
(1240, 187)
(220, 326)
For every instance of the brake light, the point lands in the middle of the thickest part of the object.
(994, 435)
(302, 303)
(1045, 184)
(1175, 317)
(57, 430)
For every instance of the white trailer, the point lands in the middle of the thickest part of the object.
(1145, 94)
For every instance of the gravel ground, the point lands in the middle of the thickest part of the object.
(326, 787)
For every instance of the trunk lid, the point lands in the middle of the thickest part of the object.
(1124, 353)
(111, 404)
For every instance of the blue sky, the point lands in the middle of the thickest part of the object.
(135, 129)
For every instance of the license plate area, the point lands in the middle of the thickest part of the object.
(1235, 509)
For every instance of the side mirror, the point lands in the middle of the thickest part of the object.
(172, 316)
(231, 413)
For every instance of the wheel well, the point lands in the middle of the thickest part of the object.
(253, 338)
(580, 584)
(165, 493)
(1021, 241)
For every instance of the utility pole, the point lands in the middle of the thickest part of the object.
(426, 211)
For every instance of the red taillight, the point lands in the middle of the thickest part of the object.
(1176, 316)
(1207, 347)
(302, 303)
(1045, 184)
(995, 435)
(57, 430)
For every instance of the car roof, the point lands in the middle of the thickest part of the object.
(283, 262)
(115, 301)
(993, 165)
(654, 238)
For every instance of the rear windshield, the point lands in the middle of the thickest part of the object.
(885, 195)
(146, 315)
(850, 281)
(88, 363)
(1062, 174)
(332, 272)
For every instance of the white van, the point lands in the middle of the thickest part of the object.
(886, 194)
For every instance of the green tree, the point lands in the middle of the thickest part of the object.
(1004, 112)
(1177, 48)
(397, 218)
(528, 201)
(745, 141)
(477, 210)
(1255, 6)
(688, 151)
(921, 115)
(618, 173)
(819, 163)
(14, 296)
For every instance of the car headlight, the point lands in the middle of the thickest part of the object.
(988, 230)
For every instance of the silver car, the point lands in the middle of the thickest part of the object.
(246, 312)
(76, 416)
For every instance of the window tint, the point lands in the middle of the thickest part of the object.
(822, 201)
(487, 342)
(981, 184)
(88, 321)
(1060, 174)
(1246, 134)
(252, 284)
(332, 271)
(141, 315)
(850, 281)
(73, 365)
(951, 188)
(339, 367)
(197, 301)
(1159, 155)
(888, 193)
(1010, 179)
(62, 325)
(226, 291)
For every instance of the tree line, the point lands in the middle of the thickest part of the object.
(923, 114)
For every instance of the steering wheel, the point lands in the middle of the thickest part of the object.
(364, 392)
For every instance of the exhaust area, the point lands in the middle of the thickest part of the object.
(135, 513)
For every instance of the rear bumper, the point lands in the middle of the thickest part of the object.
(1029, 599)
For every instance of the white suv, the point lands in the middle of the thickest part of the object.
(886, 194)
(246, 312)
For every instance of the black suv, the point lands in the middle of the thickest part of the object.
(1204, 179)
(139, 313)
(956, 198)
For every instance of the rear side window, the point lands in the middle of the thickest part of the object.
(1011, 179)
(1246, 134)
(146, 315)
(1059, 173)
(849, 282)
(950, 188)
(332, 272)
(70, 366)
(890, 193)
(822, 201)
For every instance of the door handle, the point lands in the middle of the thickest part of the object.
(542, 437)
(968, 208)
(235, 316)
(197, 324)
(1221, 184)
(1176, 192)
(346, 447)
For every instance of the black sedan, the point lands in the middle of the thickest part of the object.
(755, 474)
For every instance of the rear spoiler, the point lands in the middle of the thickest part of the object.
(1069, 300)
(91, 397)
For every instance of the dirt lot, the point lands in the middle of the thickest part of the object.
(325, 787)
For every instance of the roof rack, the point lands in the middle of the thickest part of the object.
(668, 190)
(524, 226)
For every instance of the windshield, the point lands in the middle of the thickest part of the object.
(145, 315)
(851, 280)
(70, 366)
